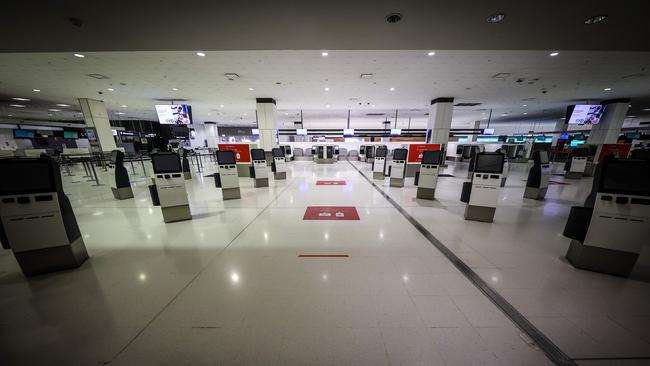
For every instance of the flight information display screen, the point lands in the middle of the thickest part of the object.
(489, 163)
(431, 157)
(24, 176)
(166, 163)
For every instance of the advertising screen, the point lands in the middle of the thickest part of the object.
(173, 114)
(416, 151)
(255, 131)
(242, 151)
(488, 131)
(586, 114)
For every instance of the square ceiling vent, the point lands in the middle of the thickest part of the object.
(466, 104)
(98, 76)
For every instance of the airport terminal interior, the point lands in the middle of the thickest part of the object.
(336, 183)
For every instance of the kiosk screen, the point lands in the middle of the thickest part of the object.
(581, 152)
(113, 156)
(226, 157)
(381, 153)
(543, 157)
(24, 176)
(489, 163)
(257, 154)
(278, 153)
(431, 157)
(400, 154)
(166, 163)
(626, 177)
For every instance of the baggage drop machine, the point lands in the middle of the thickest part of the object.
(36, 219)
(379, 164)
(398, 168)
(482, 193)
(170, 186)
(259, 169)
(226, 177)
(279, 165)
(577, 163)
(325, 154)
(427, 177)
(119, 177)
(538, 176)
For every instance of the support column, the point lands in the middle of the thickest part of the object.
(96, 117)
(267, 116)
(439, 124)
(607, 131)
(211, 134)
(477, 125)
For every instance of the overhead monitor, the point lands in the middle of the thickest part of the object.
(301, 132)
(348, 132)
(226, 157)
(489, 163)
(255, 131)
(26, 175)
(431, 157)
(165, 163)
(23, 134)
(70, 135)
(257, 154)
(381, 152)
(580, 152)
(564, 136)
(586, 114)
(488, 131)
(395, 131)
(626, 176)
(174, 114)
(400, 154)
(278, 152)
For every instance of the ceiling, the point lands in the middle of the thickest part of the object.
(165, 25)
(515, 85)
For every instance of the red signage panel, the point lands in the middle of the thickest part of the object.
(331, 213)
(416, 151)
(242, 151)
(618, 150)
(330, 183)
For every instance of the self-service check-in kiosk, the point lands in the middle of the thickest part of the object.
(398, 167)
(610, 231)
(538, 176)
(170, 186)
(227, 178)
(324, 154)
(119, 181)
(577, 163)
(187, 173)
(482, 193)
(362, 153)
(259, 169)
(288, 153)
(36, 219)
(279, 165)
(379, 164)
(427, 177)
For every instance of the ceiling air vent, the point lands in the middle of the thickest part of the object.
(375, 114)
(231, 76)
(98, 76)
(466, 104)
(367, 76)
(501, 75)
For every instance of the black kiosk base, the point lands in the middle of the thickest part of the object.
(46, 260)
(602, 260)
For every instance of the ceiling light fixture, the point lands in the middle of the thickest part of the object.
(647, 110)
(392, 89)
(54, 110)
(110, 89)
(17, 105)
(62, 105)
(221, 106)
(124, 106)
(175, 89)
(327, 105)
(251, 89)
(496, 18)
(431, 53)
(79, 55)
(525, 105)
(607, 89)
(21, 99)
(553, 54)
(200, 54)
(120, 113)
(596, 19)
(37, 90)
(327, 89)
(324, 54)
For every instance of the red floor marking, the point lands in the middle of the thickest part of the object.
(331, 213)
(323, 256)
(330, 183)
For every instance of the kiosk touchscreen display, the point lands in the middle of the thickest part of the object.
(113, 156)
(543, 157)
(580, 152)
(24, 176)
(400, 154)
(431, 157)
(226, 157)
(489, 163)
(381, 153)
(257, 154)
(277, 153)
(166, 163)
(626, 177)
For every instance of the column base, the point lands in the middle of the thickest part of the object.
(535, 193)
(122, 193)
(46, 260)
(279, 176)
(479, 213)
(187, 175)
(260, 182)
(602, 260)
(573, 175)
(176, 213)
(231, 193)
(425, 193)
(378, 175)
(397, 182)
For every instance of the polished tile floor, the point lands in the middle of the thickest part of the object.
(229, 287)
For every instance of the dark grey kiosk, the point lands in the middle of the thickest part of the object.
(279, 164)
(482, 192)
(227, 178)
(397, 170)
(379, 163)
(538, 176)
(170, 186)
(36, 219)
(259, 169)
(609, 232)
(120, 182)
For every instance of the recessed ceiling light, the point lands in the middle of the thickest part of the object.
(110, 89)
(120, 113)
(17, 105)
(10, 115)
(629, 105)
(21, 99)
(373, 106)
(596, 19)
(37, 90)
(62, 105)
(324, 54)
(496, 18)
(553, 54)
(79, 55)
(286, 114)
(251, 89)
(647, 110)
(200, 54)
(525, 105)
(525, 112)
(327, 105)
(221, 106)
(124, 106)
(607, 89)
(431, 53)
(327, 89)
(54, 110)
(392, 89)
(175, 89)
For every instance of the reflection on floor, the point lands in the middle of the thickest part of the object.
(229, 286)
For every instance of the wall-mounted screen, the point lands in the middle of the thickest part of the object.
(586, 114)
(395, 131)
(70, 135)
(174, 114)
(164, 163)
(488, 131)
(255, 131)
(431, 157)
(489, 163)
(226, 157)
(23, 134)
(301, 131)
(348, 132)
(564, 136)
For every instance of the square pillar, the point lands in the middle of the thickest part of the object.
(96, 116)
(439, 123)
(267, 116)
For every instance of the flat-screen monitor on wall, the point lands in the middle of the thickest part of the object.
(23, 134)
(395, 131)
(70, 135)
(174, 114)
(301, 131)
(585, 114)
(348, 132)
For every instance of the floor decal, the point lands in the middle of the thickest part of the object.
(331, 213)
(330, 183)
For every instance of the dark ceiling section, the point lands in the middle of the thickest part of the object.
(165, 25)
